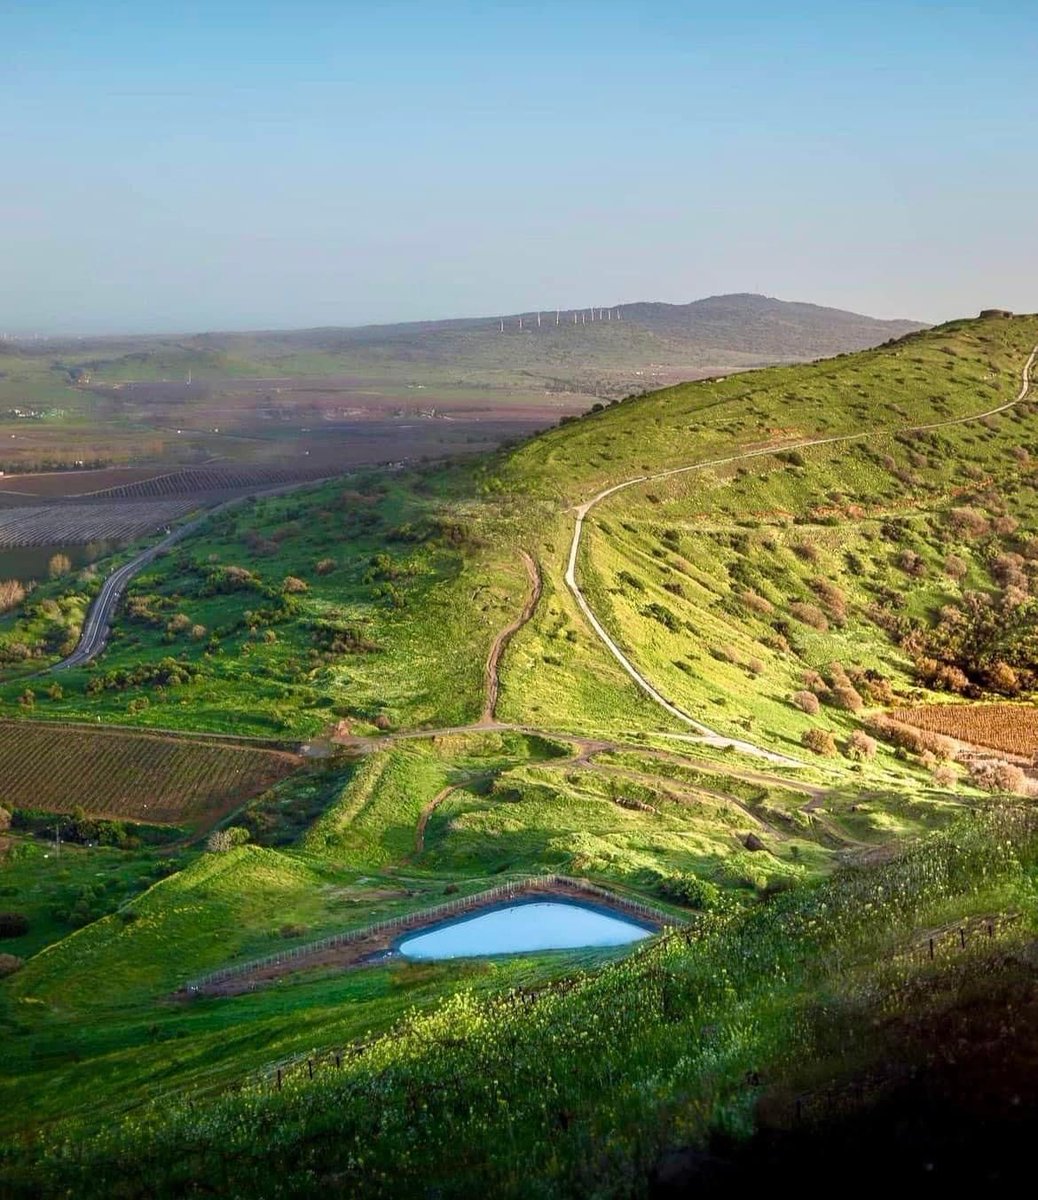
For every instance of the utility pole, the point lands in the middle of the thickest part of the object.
(538, 320)
(57, 841)
(502, 324)
(556, 316)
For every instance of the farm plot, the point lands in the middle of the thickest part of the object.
(1009, 728)
(129, 776)
(44, 524)
(201, 481)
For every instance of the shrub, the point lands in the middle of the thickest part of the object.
(12, 593)
(325, 566)
(756, 602)
(915, 741)
(999, 777)
(294, 585)
(968, 522)
(692, 892)
(5, 820)
(222, 840)
(807, 702)
(13, 924)
(846, 697)
(819, 741)
(831, 598)
(860, 746)
(944, 775)
(956, 568)
(815, 683)
(9, 963)
(60, 564)
(809, 614)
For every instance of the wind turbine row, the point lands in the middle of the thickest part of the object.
(581, 316)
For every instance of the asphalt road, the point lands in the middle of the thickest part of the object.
(98, 623)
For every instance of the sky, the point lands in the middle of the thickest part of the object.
(190, 166)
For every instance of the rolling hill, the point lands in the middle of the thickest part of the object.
(714, 695)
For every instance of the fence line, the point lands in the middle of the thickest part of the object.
(427, 915)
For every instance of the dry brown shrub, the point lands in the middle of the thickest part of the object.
(831, 598)
(815, 683)
(969, 522)
(809, 614)
(807, 702)
(12, 593)
(915, 741)
(999, 777)
(756, 602)
(848, 699)
(292, 584)
(819, 741)
(956, 568)
(944, 775)
(324, 566)
(860, 746)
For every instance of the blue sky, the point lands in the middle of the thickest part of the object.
(222, 165)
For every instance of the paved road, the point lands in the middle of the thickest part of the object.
(706, 734)
(98, 624)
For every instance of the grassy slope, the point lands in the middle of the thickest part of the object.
(514, 811)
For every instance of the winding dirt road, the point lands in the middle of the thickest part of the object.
(710, 736)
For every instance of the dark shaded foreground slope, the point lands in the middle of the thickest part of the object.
(949, 1101)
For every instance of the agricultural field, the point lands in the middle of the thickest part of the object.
(98, 521)
(1010, 728)
(132, 777)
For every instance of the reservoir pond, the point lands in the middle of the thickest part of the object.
(524, 927)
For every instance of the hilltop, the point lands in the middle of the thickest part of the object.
(771, 682)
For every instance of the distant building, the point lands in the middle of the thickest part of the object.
(995, 312)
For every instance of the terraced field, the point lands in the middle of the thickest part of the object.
(129, 776)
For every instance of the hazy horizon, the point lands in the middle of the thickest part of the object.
(427, 320)
(242, 167)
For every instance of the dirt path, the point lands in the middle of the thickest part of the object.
(427, 812)
(710, 736)
(491, 673)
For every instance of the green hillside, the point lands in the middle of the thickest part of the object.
(786, 556)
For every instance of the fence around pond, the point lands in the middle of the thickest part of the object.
(428, 916)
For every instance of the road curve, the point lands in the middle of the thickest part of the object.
(98, 624)
(708, 735)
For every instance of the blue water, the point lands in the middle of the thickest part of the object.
(524, 927)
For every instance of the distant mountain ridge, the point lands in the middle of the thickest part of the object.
(635, 348)
(743, 322)
(761, 325)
